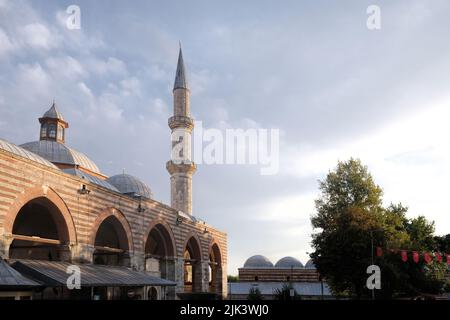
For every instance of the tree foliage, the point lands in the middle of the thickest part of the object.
(350, 218)
(254, 294)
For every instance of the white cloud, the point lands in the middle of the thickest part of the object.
(37, 35)
(6, 45)
(111, 65)
(66, 67)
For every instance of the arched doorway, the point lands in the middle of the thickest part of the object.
(215, 269)
(152, 294)
(192, 266)
(40, 232)
(160, 252)
(111, 243)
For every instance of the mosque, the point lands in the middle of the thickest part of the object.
(58, 209)
(260, 273)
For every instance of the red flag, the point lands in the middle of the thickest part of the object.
(448, 258)
(379, 252)
(415, 256)
(438, 257)
(404, 255)
(427, 257)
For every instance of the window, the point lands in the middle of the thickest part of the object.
(44, 131)
(52, 131)
(60, 132)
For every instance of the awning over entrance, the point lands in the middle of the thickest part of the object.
(54, 274)
(10, 279)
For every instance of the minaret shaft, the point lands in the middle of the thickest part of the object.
(180, 167)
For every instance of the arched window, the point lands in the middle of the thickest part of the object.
(52, 131)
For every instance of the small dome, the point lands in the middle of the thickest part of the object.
(258, 261)
(310, 264)
(288, 262)
(130, 185)
(59, 153)
(4, 145)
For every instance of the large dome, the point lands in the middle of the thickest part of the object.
(288, 262)
(310, 264)
(59, 153)
(4, 145)
(258, 261)
(130, 185)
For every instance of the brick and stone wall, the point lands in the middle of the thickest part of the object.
(22, 180)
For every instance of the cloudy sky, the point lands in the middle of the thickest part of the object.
(311, 69)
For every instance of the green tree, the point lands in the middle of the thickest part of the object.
(254, 294)
(284, 293)
(349, 218)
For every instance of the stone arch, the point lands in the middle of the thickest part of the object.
(64, 220)
(193, 236)
(160, 251)
(215, 279)
(121, 219)
(168, 235)
(192, 254)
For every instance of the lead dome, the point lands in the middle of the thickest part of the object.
(288, 262)
(258, 261)
(130, 185)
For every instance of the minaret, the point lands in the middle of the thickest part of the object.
(180, 167)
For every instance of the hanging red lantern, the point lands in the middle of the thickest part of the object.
(379, 252)
(415, 256)
(438, 257)
(427, 257)
(404, 254)
(448, 258)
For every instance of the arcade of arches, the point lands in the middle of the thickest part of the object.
(40, 232)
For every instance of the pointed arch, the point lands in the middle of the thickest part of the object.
(118, 219)
(62, 216)
(166, 233)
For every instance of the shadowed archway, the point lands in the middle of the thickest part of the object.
(111, 238)
(39, 232)
(215, 269)
(192, 265)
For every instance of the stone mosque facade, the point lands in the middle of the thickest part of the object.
(56, 206)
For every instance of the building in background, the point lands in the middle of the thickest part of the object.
(57, 208)
(260, 273)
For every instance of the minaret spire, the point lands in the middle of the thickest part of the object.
(180, 76)
(181, 167)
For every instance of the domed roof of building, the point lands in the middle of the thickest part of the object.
(288, 262)
(258, 261)
(130, 185)
(4, 145)
(60, 153)
(53, 113)
(310, 264)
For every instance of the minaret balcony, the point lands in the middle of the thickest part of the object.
(186, 167)
(181, 122)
